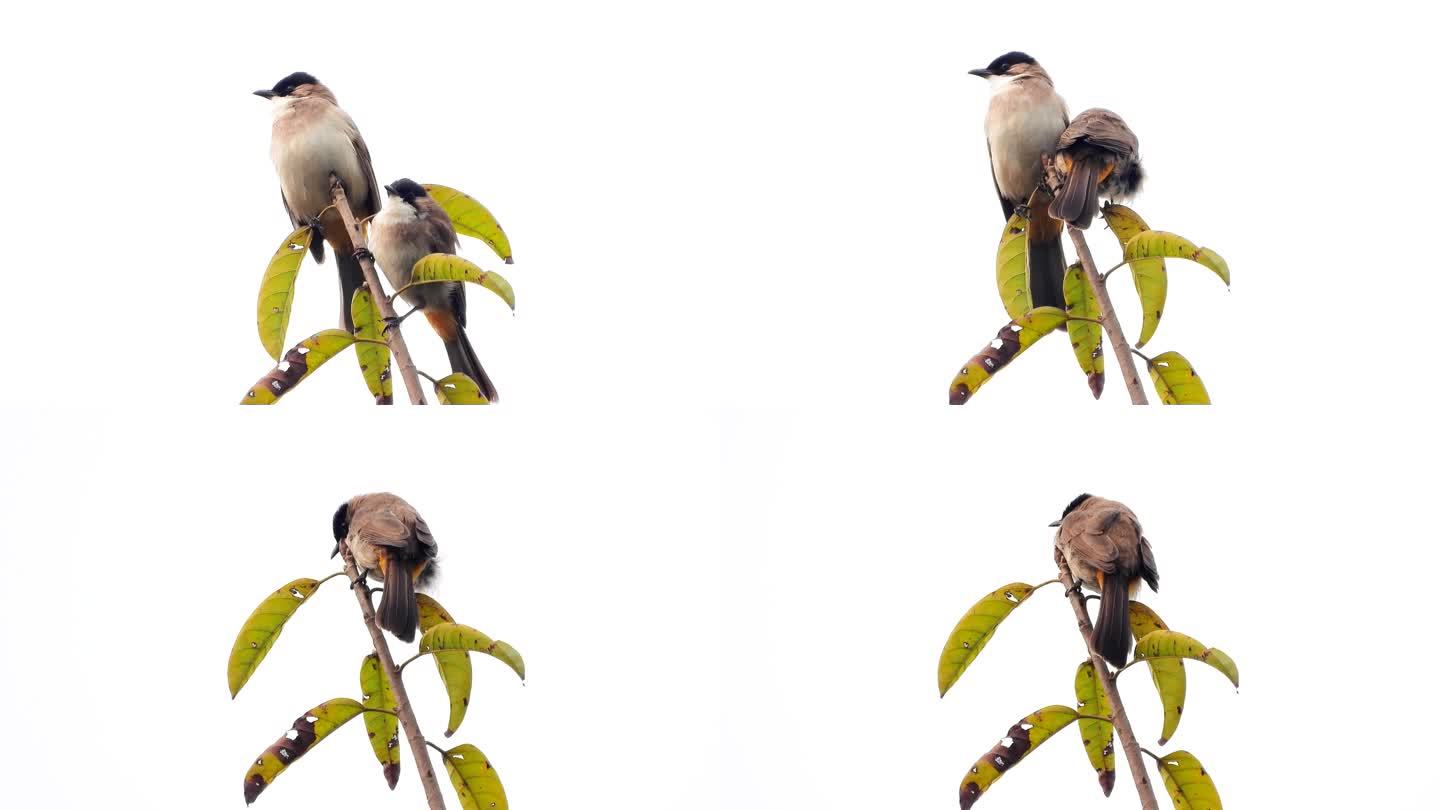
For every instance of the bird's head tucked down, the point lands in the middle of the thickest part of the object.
(1010, 68)
(1079, 499)
(296, 85)
(340, 526)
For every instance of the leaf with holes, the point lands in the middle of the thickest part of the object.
(1148, 274)
(1167, 673)
(1024, 737)
(309, 729)
(1163, 244)
(454, 667)
(1170, 644)
(1176, 381)
(471, 218)
(474, 778)
(1083, 311)
(374, 357)
(1012, 339)
(975, 629)
(384, 729)
(277, 291)
(439, 267)
(1010, 274)
(1189, 786)
(259, 632)
(299, 363)
(459, 389)
(1097, 736)
(451, 636)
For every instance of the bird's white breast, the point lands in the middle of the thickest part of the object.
(307, 143)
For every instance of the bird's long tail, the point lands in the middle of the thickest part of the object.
(1111, 637)
(1046, 255)
(352, 278)
(462, 355)
(1079, 201)
(398, 611)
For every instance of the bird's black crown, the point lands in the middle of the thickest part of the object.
(1002, 64)
(1081, 498)
(287, 85)
(340, 524)
(406, 189)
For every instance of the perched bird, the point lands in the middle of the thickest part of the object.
(410, 227)
(311, 138)
(1106, 551)
(1022, 125)
(1097, 154)
(386, 534)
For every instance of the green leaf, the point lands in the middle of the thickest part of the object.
(1170, 644)
(299, 362)
(1152, 244)
(471, 218)
(1148, 274)
(1010, 264)
(259, 632)
(384, 729)
(454, 667)
(459, 389)
(374, 357)
(1167, 673)
(451, 636)
(1023, 737)
(1189, 786)
(474, 779)
(1012, 339)
(975, 629)
(448, 267)
(1097, 736)
(277, 291)
(309, 729)
(1176, 382)
(1085, 335)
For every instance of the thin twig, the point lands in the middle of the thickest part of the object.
(1108, 320)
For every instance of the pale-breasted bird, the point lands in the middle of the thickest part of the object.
(1106, 551)
(1097, 154)
(386, 534)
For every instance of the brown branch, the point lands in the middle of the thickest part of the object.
(403, 711)
(1108, 320)
(1118, 719)
(377, 293)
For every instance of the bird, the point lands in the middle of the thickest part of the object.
(1022, 125)
(384, 533)
(1106, 551)
(1097, 154)
(408, 228)
(311, 137)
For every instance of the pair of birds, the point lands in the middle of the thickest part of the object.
(311, 137)
(1026, 124)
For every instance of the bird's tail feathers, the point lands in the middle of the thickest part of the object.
(1046, 255)
(464, 360)
(1111, 637)
(398, 612)
(1079, 201)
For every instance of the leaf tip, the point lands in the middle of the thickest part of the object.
(509, 259)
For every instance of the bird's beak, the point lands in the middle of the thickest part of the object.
(336, 551)
(265, 93)
(1054, 525)
(390, 190)
(982, 73)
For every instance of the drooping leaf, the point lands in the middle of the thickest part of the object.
(1187, 782)
(1148, 274)
(1024, 737)
(975, 629)
(1176, 382)
(451, 636)
(299, 363)
(1167, 673)
(474, 778)
(471, 218)
(448, 267)
(259, 632)
(1010, 275)
(1097, 736)
(384, 729)
(277, 290)
(1151, 244)
(454, 667)
(459, 389)
(309, 729)
(1012, 339)
(374, 357)
(1085, 333)
(1170, 644)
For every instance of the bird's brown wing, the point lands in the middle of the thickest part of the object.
(1087, 542)
(1148, 571)
(1100, 128)
(1005, 205)
(367, 202)
(382, 528)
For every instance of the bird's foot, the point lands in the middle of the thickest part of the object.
(316, 229)
(396, 320)
(364, 255)
(1023, 210)
(1075, 589)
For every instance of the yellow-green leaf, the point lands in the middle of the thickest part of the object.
(1097, 736)
(384, 729)
(299, 363)
(374, 357)
(1170, 644)
(1176, 381)
(474, 778)
(1083, 311)
(1187, 782)
(277, 290)
(259, 632)
(454, 667)
(471, 218)
(1010, 263)
(975, 629)
(309, 729)
(1023, 737)
(1167, 673)
(1148, 274)
(459, 389)
(1153, 244)
(1012, 339)
(449, 267)
(451, 636)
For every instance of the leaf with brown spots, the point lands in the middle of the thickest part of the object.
(1162, 244)
(976, 628)
(1024, 737)
(309, 729)
(1010, 267)
(299, 363)
(384, 729)
(277, 291)
(1012, 339)
(1148, 274)
(1083, 312)
(1097, 736)
(1176, 381)
(1189, 785)
(454, 667)
(1167, 673)
(374, 357)
(1170, 644)
(260, 631)
(474, 778)
(438, 267)
(451, 636)
(470, 218)
(459, 389)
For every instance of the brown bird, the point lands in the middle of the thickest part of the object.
(1097, 154)
(386, 534)
(1107, 552)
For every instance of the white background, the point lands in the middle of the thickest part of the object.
(721, 508)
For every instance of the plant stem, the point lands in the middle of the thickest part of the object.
(1108, 320)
